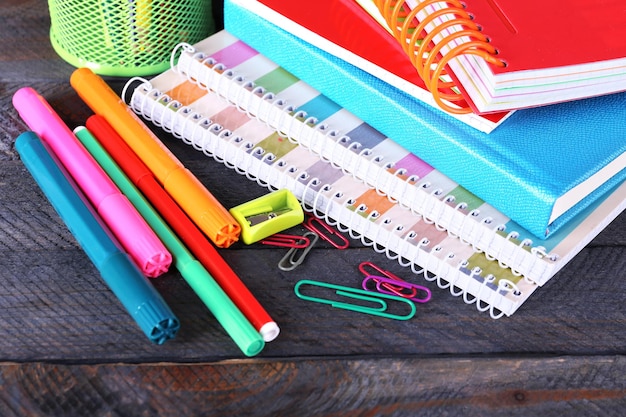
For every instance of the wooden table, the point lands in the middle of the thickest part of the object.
(68, 348)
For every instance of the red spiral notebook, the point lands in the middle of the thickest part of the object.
(344, 29)
(523, 53)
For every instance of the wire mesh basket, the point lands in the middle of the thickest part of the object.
(126, 37)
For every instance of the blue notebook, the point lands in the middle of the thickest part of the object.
(541, 167)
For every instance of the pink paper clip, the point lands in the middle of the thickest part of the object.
(382, 288)
(328, 234)
(392, 283)
(287, 241)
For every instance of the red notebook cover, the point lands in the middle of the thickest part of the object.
(544, 51)
(543, 34)
(346, 24)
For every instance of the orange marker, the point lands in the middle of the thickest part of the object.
(190, 194)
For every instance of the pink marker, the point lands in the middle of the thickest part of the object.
(126, 223)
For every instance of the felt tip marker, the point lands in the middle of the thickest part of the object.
(134, 291)
(225, 311)
(198, 244)
(118, 213)
(199, 204)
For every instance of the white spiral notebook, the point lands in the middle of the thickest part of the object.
(237, 106)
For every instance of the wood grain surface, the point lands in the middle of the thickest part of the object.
(543, 386)
(67, 347)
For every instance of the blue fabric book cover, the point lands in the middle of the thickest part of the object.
(540, 167)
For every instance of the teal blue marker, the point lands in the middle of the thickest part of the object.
(132, 288)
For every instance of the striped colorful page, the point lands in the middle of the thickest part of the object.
(355, 147)
(230, 136)
(336, 154)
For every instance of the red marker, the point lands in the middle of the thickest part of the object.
(195, 240)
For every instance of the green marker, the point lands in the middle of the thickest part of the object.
(204, 285)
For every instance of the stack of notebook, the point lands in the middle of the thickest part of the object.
(491, 216)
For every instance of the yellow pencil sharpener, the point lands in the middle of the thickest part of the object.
(267, 215)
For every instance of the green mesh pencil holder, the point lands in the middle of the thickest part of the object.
(126, 37)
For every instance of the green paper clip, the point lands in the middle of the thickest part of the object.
(268, 215)
(356, 294)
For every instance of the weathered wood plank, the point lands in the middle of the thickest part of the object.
(55, 307)
(517, 386)
(27, 51)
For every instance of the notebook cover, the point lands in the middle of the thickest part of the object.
(521, 168)
(552, 51)
(540, 34)
(348, 31)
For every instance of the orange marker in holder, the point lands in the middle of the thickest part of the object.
(190, 194)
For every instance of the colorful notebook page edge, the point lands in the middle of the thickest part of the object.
(315, 161)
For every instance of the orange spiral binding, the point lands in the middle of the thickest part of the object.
(456, 33)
